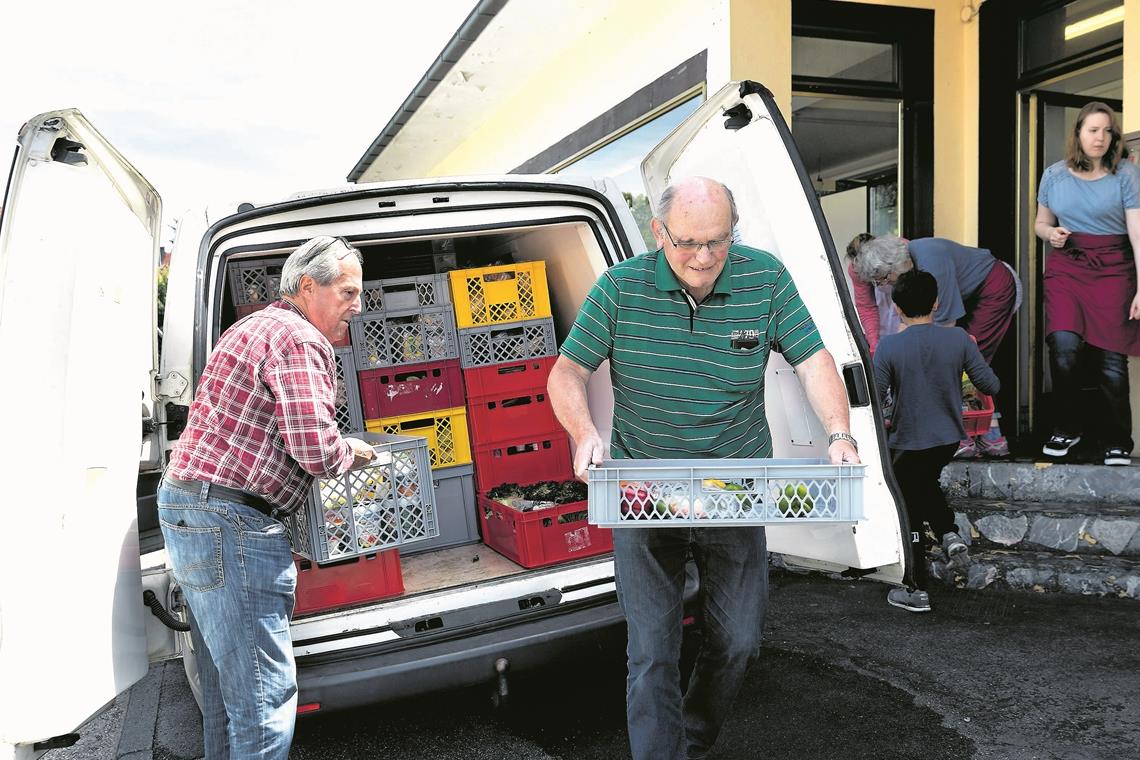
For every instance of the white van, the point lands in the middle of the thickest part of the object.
(88, 408)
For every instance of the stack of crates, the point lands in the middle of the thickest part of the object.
(345, 536)
(507, 348)
(407, 360)
(256, 283)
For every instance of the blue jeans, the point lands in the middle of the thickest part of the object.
(236, 570)
(1064, 351)
(650, 564)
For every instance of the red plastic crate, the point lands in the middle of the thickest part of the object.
(509, 377)
(353, 581)
(544, 536)
(411, 388)
(243, 310)
(977, 421)
(510, 415)
(523, 461)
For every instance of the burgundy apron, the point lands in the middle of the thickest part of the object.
(1089, 286)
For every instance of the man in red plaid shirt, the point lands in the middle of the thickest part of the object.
(261, 427)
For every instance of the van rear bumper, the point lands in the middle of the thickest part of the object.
(412, 670)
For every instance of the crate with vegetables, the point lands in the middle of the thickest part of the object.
(724, 492)
(541, 523)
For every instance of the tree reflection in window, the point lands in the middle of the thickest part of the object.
(620, 159)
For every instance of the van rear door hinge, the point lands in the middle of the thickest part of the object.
(170, 385)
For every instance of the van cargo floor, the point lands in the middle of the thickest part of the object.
(458, 565)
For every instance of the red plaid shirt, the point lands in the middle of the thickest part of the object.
(263, 418)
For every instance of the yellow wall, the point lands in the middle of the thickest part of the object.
(760, 45)
(1131, 66)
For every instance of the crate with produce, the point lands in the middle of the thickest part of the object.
(977, 408)
(385, 504)
(666, 492)
(541, 523)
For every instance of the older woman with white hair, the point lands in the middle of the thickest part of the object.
(975, 292)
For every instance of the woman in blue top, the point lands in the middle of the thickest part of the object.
(1088, 210)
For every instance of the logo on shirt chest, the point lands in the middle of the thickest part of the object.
(743, 340)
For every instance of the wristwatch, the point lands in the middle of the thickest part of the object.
(843, 437)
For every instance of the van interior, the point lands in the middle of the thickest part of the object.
(573, 260)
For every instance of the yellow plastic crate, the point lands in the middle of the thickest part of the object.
(444, 429)
(497, 295)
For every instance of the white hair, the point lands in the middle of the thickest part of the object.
(319, 258)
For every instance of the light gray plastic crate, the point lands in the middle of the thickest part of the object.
(405, 293)
(349, 410)
(454, 508)
(254, 282)
(387, 503)
(404, 337)
(494, 344)
(672, 492)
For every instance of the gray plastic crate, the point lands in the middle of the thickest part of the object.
(254, 282)
(349, 410)
(388, 503)
(671, 492)
(494, 344)
(404, 293)
(405, 337)
(455, 509)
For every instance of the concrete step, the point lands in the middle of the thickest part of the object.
(1058, 527)
(1036, 481)
(1042, 572)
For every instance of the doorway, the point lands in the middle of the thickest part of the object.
(1047, 114)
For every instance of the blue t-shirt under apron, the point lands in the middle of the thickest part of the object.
(959, 269)
(1094, 207)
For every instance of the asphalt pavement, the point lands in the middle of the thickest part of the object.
(988, 675)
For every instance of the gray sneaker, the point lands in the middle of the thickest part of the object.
(953, 545)
(911, 601)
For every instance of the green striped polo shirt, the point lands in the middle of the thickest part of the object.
(688, 379)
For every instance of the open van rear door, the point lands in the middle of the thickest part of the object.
(78, 248)
(739, 137)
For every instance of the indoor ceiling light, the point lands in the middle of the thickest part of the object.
(1092, 23)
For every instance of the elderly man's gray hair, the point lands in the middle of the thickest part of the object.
(881, 257)
(670, 193)
(319, 258)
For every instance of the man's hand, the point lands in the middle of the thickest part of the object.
(842, 452)
(362, 453)
(591, 450)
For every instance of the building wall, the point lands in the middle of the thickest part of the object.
(629, 46)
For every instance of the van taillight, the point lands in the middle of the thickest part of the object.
(688, 620)
(310, 707)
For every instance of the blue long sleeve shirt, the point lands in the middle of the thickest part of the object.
(922, 368)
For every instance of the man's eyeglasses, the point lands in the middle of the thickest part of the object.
(688, 246)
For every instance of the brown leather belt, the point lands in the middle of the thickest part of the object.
(228, 494)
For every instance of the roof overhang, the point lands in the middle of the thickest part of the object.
(480, 69)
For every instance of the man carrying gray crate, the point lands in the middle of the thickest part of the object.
(261, 427)
(687, 331)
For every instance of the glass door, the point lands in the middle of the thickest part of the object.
(1047, 116)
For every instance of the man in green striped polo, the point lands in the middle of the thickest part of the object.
(687, 330)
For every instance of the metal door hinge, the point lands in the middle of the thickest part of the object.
(170, 385)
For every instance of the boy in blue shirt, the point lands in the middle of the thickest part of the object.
(921, 367)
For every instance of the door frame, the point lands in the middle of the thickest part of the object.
(1031, 251)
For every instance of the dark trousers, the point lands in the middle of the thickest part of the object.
(664, 723)
(1064, 349)
(918, 474)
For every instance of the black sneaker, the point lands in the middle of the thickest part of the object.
(1058, 445)
(1117, 456)
(911, 601)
